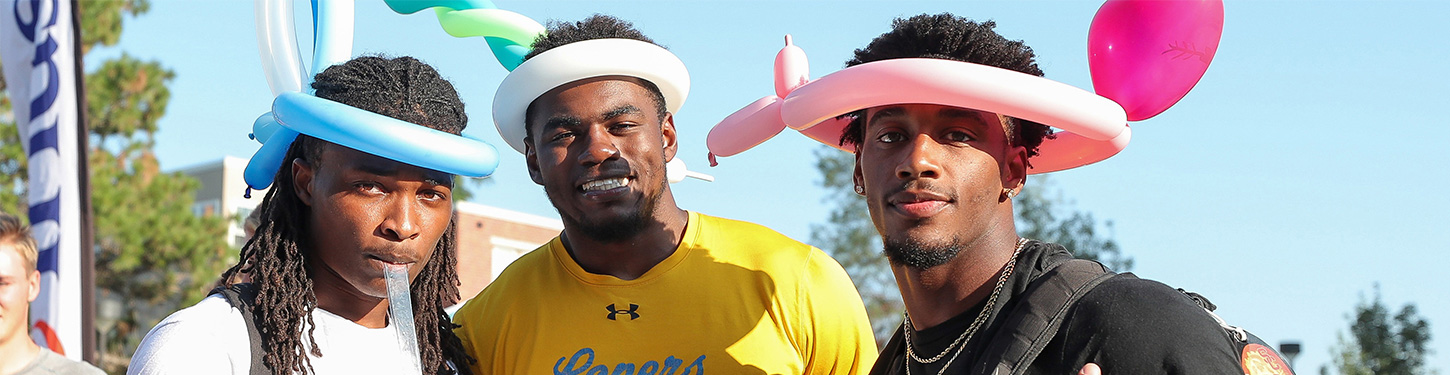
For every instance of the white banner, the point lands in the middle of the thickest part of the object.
(37, 44)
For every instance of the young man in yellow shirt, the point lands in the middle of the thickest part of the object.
(635, 284)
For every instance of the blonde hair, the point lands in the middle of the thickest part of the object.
(17, 235)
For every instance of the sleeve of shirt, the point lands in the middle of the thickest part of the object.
(197, 340)
(837, 337)
(1136, 326)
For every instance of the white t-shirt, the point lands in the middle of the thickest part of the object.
(211, 338)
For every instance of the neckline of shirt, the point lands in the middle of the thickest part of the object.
(682, 251)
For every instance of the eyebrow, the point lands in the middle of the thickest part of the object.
(434, 181)
(627, 109)
(561, 121)
(382, 169)
(886, 112)
(953, 112)
(376, 168)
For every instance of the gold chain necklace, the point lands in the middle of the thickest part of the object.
(961, 341)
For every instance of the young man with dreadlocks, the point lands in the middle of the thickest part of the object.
(938, 181)
(634, 284)
(333, 220)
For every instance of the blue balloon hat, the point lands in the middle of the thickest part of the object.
(404, 142)
(294, 112)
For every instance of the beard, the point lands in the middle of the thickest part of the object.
(918, 254)
(614, 230)
(621, 228)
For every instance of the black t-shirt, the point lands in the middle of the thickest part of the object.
(1125, 325)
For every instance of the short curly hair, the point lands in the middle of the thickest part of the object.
(949, 37)
(597, 26)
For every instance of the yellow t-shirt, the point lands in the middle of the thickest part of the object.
(734, 298)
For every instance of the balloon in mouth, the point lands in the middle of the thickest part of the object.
(400, 312)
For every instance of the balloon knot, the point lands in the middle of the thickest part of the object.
(713, 163)
(247, 193)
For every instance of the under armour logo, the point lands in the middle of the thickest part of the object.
(633, 314)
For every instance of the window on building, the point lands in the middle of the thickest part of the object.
(505, 252)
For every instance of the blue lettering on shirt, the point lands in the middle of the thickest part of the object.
(587, 367)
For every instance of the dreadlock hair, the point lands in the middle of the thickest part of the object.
(597, 26)
(279, 257)
(949, 37)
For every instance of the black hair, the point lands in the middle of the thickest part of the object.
(278, 257)
(949, 37)
(597, 26)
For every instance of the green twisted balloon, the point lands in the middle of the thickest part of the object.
(508, 34)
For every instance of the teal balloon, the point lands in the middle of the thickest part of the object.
(414, 6)
(509, 54)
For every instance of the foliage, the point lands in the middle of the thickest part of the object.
(849, 236)
(101, 20)
(1041, 216)
(12, 161)
(1382, 344)
(125, 97)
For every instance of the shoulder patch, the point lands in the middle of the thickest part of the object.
(1260, 360)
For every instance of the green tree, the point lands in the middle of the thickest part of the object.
(12, 159)
(153, 254)
(1381, 344)
(1043, 213)
(849, 236)
(101, 20)
(124, 99)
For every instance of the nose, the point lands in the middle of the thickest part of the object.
(599, 147)
(401, 221)
(920, 160)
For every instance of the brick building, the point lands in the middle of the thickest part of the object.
(489, 238)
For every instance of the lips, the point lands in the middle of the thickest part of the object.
(918, 203)
(391, 259)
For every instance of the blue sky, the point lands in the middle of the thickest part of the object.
(1305, 167)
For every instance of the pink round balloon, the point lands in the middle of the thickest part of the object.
(1147, 54)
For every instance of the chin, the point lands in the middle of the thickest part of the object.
(615, 229)
(916, 252)
(376, 289)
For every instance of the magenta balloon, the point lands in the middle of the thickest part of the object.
(1147, 54)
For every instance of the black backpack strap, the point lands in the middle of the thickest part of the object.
(242, 297)
(1032, 324)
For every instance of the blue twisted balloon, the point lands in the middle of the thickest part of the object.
(295, 113)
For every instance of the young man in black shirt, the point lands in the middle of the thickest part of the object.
(939, 181)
